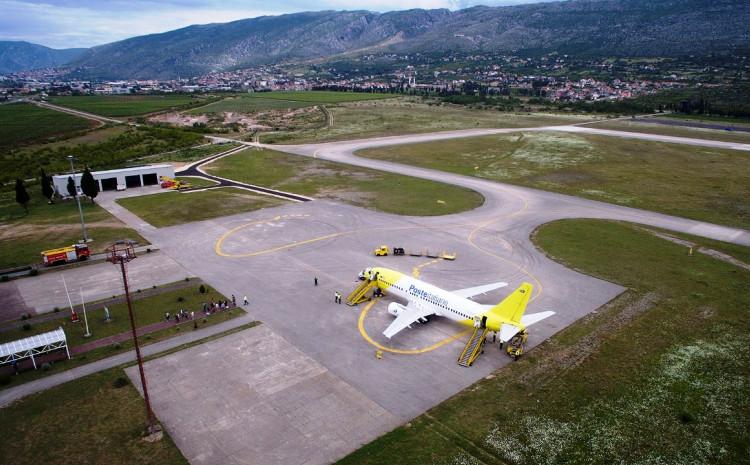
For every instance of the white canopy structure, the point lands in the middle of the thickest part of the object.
(33, 346)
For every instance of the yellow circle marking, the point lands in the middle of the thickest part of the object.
(363, 332)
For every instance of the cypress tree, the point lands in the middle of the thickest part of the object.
(89, 186)
(71, 187)
(47, 190)
(22, 197)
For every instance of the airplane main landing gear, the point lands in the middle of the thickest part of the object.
(515, 345)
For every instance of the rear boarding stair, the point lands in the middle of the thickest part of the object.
(474, 347)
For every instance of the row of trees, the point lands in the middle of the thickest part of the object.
(89, 187)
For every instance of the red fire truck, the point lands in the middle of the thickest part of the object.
(74, 253)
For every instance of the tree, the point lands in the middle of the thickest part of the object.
(71, 187)
(22, 197)
(89, 186)
(46, 181)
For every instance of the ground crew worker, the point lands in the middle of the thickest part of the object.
(245, 302)
(316, 280)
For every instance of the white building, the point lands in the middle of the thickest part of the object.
(148, 175)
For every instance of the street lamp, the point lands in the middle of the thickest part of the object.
(78, 200)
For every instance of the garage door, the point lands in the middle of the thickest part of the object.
(133, 181)
(150, 179)
(109, 184)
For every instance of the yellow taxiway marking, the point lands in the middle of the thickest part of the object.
(363, 332)
(418, 269)
(225, 236)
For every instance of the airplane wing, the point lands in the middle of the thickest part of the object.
(411, 314)
(472, 291)
(508, 331)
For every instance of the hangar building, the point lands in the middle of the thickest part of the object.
(120, 179)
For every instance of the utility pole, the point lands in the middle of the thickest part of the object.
(121, 254)
(78, 200)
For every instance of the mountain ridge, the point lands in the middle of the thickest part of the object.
(21, 55)
(600, 27)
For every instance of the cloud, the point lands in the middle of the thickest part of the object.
(84, 23)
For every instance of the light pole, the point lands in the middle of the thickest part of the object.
(78, 201)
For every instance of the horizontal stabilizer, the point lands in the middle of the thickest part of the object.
(528, 320)
(476, 290)
(508, 331)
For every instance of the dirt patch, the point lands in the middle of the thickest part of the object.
(697, 247)
(179, 119)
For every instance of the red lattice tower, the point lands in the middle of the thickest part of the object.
(120, 253)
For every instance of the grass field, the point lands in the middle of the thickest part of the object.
(261, 101)
(405, 116)
(24, 123)
(693, 182)
(86, 421)
(189, 154)
(23, 237)
(196, 181)
(677, 131)
(366, 188)
(126, 105)
(659, 375)
(148, 310)
(183, 207)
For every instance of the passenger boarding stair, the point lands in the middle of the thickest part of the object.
(474, 347)
(361, 293)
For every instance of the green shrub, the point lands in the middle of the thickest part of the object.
(120, 382)
(187, 279)
(180, 299)
(4, 278)
(33, 272)
(5, 380)
(46, 366)
(202, 289)
(26, 327)
(25, 316)
(117, 346)
(56, 309)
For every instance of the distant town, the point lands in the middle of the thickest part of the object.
(552, 77)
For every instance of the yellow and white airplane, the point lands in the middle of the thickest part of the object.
(506, 318)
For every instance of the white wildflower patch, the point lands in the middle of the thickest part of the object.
(612, 196)
(551, 150)
(669, 418)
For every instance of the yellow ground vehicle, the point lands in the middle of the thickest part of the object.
(515, 345)
(381, 251)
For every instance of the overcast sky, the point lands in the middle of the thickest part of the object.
(84, 23)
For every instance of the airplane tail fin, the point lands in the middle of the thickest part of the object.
(512, 307)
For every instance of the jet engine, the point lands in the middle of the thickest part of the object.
(395, 309)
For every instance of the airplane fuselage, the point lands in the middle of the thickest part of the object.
(439, 301)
